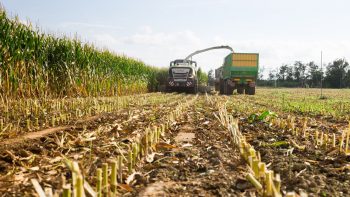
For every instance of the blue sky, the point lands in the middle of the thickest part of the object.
(158, 31)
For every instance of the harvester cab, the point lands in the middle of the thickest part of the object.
(182, 76)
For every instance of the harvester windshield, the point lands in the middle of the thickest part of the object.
(184, 63)
(180, 72)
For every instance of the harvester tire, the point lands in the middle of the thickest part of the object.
(167, 89)
(195, 88)
(240, 90)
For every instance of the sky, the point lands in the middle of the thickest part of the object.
(159, 31)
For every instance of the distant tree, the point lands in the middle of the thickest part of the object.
(282, 73)
(299, 71)
(296, 70)
(211, 78)
(347, 79)
(336, 73)
(289, 73)
(302, 75)
(272, 75)
(285, 76)
(314, 75)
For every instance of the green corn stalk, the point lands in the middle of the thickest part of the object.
(37, 65)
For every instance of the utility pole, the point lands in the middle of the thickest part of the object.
(321, 75)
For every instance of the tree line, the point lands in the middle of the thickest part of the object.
(299, 74)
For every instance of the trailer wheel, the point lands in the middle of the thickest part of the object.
(221, 84)
(217, 86)
(240, 90)
(229, 89)
(225, 87)
(250, 90)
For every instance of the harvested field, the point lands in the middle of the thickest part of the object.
(185, 145)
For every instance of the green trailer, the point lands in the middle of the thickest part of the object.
(239, 71)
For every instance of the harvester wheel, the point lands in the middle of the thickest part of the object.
(167, 89)
(195, 90)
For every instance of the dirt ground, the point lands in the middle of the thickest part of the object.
(201, 163)
(194, 157)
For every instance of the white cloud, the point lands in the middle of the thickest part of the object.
(146, 29)
(89, 25)
(151, 38)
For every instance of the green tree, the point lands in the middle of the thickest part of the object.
(336, 73)
(299, 73)
(282, 73)
(347, 79)
(314, 75)
(289, 73)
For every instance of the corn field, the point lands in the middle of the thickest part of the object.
(34, 64)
